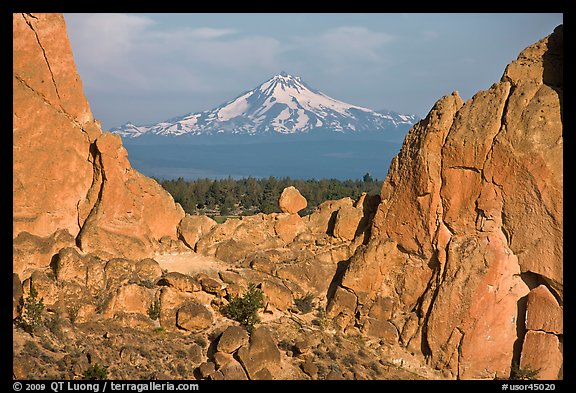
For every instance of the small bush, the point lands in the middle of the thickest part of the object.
(73, 313)
(244, 309)
(96, 372)
(154, 310)
(349, 360)
(147, 284)
(527, 373)
(320, 319)
(181, 369)
(286, 345)
(31, 349)
(201, 341)
(54, 324)
(305, 304)
(31, 311)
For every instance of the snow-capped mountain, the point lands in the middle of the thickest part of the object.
(283, 104)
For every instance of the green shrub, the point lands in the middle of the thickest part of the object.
(305, 304)
(54, 324)
(154, 310)
(147, 284)
(31, 311)
(159, 330)
(201, 341)
(320, 319)
(73, 313)
(527, 373)
(96, 372)
(244, 309)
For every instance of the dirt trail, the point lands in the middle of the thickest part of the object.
(192, 263)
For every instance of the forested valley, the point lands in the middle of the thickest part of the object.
(249, 196)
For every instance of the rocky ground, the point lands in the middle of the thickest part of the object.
(163, 318)
(63, 350)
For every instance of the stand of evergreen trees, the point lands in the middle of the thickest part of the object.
(249, 196)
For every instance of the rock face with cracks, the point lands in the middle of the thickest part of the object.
(106, 205)
(470, 221)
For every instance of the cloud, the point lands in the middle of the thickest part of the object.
(133, 57)
(100, 37)
(123, 51)
(341, 49)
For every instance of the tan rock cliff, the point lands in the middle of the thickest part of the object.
(68, 175)
(470, 221)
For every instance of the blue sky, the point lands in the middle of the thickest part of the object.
(146, 68)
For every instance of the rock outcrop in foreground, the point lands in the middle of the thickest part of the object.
(470, 225)
(454, 271)
(68, 175)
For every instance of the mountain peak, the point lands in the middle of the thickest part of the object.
(283, 104)
(284, 76)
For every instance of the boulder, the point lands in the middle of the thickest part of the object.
(70, 266)
(233, 251)
(194, 317)
(131, 298)
(541, 351)
(148, 270)
(31, 252)
(208, 243)
(342, 305)
(73, 296)
(263, 264)
(180, 281)
(322, 220)
(195, 353)
(276, 294)
(258, 229)
(210, 284)
(206, 369)
(260, 355)
(233, 370)
(309, 368)
(221, 358)
(169, 245)
(170, 301)
(192, 228)
(45, 286)
(311, 275)
(291, 201)
(95, 275)
(347, 223)
(289, 226)
(233, 338)
(543, 311)
(119, 271)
